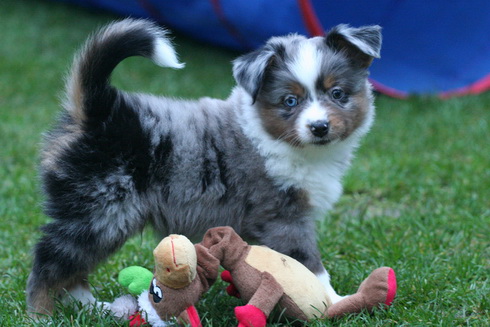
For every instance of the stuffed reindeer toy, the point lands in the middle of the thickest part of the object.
(263, 278)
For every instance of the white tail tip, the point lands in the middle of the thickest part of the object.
(164, 55)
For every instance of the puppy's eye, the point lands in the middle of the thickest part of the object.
(156, 291)
(338, 94)
(291, 101)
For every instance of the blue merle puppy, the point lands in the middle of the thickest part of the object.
(267, 161)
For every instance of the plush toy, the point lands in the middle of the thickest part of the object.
(261, 277)
(183, 272)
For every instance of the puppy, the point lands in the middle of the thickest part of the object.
(267, 161)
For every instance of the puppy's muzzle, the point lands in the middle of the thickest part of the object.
(319, 128)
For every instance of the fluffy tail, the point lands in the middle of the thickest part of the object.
(89, 94)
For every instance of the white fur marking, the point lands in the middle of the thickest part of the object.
(306, 66)
(346, 31)
(85, 297)
(165, 55)
(310, 115)
(317, 170)
(82, 295)
(324, 278)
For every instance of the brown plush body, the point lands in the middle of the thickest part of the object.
(266, 278)
(263, 278)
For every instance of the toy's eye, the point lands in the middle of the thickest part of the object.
(338, 94)
(156, 291)
(291, 101)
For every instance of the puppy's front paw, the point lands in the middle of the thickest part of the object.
(124, 306)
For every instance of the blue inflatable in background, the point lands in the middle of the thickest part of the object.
(429, 47)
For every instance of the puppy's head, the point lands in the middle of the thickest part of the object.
(312, 91)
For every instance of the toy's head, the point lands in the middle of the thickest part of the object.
(175, 261)
(175, 287)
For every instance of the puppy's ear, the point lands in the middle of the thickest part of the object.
(361, 44)
(248, 70)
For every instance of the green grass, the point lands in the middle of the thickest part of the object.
(416, 198)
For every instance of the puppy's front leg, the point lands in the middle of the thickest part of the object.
(297, 239)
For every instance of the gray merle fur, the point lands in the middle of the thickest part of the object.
(116, 162)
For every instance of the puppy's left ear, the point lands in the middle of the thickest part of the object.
(361, 45)
(248, 70)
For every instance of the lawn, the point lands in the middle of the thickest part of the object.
(416, 198)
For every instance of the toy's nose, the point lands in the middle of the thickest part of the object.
(319, 128)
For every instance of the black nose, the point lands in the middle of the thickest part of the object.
(319, 128)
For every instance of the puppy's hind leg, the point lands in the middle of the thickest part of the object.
(324, 277)
(63, 258)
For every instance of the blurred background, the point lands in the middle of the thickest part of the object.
(415, 198)
(429, 46)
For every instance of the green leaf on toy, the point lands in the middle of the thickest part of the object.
(136, 279)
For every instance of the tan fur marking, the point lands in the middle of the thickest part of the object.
(362, 102)
(329, 82)
(297, 89)
(74, 94)
(338, 124)
(344, 121)
(275, 124)
(41, 304)
(278, 127)
(50, 155)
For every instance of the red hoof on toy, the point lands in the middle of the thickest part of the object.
(226, 276)
(379, 288)
(231, 289)
(250, 316)
(390, 295)
(137, 320)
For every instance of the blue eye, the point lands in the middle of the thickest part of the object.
(291, 101)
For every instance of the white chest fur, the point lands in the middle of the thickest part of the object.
(316, 169)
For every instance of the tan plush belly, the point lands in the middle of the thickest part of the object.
(299, 283)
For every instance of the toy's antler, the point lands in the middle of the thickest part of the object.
(175, 261)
